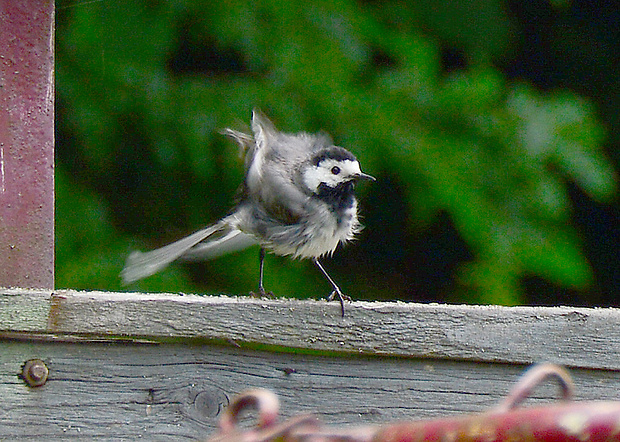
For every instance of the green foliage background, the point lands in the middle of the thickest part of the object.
(144, 86)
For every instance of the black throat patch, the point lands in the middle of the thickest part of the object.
(339, 198)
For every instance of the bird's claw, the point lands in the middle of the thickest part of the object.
(262, 293)
(341, 297)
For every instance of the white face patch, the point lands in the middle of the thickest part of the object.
(330, 172)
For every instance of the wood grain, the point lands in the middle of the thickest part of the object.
(177, 392)
(577, 337)
(124, 366)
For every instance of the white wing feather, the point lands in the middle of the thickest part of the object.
(139, 265)
(233, 241)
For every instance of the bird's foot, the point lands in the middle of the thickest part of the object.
(341, 297)
(262, 293)
(338, 295)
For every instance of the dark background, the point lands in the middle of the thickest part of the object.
(488, 124)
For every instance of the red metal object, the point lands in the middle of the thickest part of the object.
(570, 422)
(567, 421)
(27, 143)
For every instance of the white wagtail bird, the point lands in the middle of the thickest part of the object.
(296, 200)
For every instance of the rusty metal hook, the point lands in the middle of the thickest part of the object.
(267, 406)
(531, 379)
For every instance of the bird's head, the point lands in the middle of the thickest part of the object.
(331, 168)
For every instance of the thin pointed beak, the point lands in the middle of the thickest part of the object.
(364, 176)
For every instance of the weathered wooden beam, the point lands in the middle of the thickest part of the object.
(384, 361)
(177, 392)
(27, 143)
(576, 337)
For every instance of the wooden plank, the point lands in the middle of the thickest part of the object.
(24, 310)
(577, 337)
(177, 392)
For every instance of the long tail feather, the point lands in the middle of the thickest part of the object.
(139, 265)
(232, 241)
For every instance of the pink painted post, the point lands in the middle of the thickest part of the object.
(27, 143)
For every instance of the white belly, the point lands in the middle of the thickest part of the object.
(318, 237)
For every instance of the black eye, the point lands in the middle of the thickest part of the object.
(335, 170)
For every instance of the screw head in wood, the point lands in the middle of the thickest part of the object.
(34, 372)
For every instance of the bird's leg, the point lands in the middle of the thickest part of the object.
(337, 292)
(261, 266)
